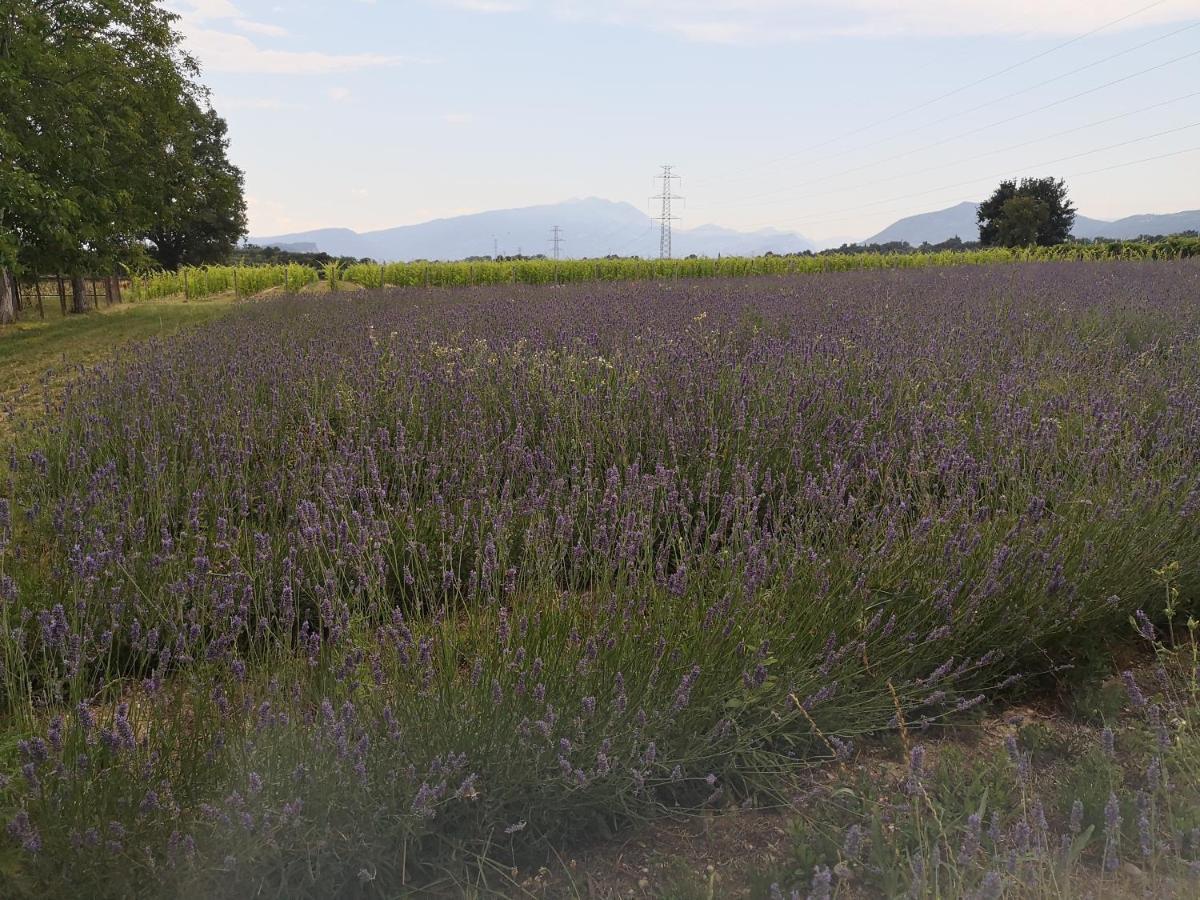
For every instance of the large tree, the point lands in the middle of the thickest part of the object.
(1036, 211)
(202, 213)
(92, 95)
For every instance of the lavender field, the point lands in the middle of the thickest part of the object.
(348, 595)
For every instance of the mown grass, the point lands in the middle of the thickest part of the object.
(36, 355)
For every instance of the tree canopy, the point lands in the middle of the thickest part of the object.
(106, 139)
(201, 211)
(1036, 211)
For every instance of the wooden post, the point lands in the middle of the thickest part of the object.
(95, 294)
(285, 279)
(37, 289)
(185, 286)
(236, 293)
(381, 276)
(62, 294)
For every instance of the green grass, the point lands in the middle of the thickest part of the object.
(34, 349)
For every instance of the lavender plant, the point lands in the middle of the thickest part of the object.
(328, 596)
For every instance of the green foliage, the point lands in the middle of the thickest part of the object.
(302, 268)
(1095, 701)
(537, 271)
(198, 282)
(254, 255)
(1035, 212)
(201, 212)
(105, 140)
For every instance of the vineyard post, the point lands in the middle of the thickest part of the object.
(236, 292)
(285, 278)
(381, 276)
(185, 286)
(37, 289)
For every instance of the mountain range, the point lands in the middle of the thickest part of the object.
(959, 221)
(590, 228)
(594, 227)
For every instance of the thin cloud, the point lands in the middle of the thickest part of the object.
(488, 6)
(257, 103)
(758, 21)
(265, 28)
(219, 50)
(223, 51)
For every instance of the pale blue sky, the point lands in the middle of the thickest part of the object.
(809, 115)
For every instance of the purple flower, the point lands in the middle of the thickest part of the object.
(1136, 697)
(1144, 626)
(1112, 832)
(852, 843)
(969, 848)
(684, 692)
(1076, 821)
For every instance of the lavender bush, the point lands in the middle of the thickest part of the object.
(342, 591)
(1111, 814)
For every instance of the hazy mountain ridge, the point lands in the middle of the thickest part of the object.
(590, 228)
(959, 221)
(594, 227)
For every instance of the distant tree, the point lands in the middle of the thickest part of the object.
(201, 211)
(1036, 211)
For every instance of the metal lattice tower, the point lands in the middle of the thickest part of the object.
(556, 240)
(665, 218)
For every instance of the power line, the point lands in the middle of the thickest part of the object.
(972, 131)
(926, 103)
(1008, 172)
(1041, 84)
(637, 237)
(1133, 162)
(915, 172)
(665, 218)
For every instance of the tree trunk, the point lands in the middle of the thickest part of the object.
(8, 313)
(37, 290)
(78, 294)
(116, 287)
(62, 294)
(108, 290)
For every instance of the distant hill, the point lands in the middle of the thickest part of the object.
(590, 227)
(959, 221)
(932, 227)
(1135, 226)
